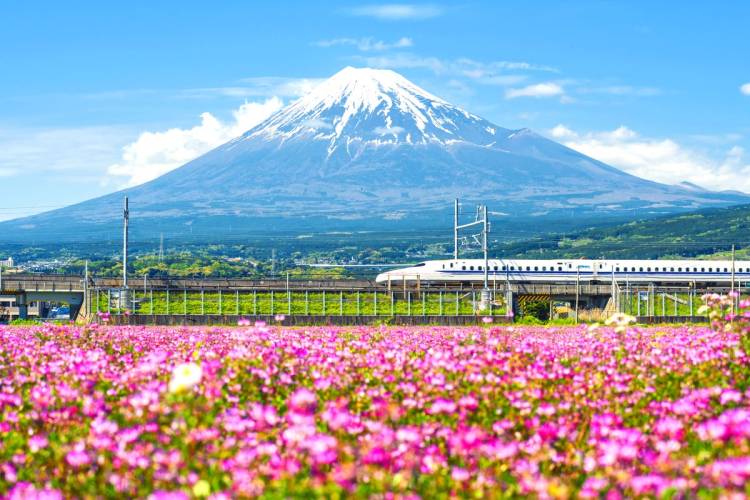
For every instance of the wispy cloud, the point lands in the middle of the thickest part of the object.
(406, 60)
(546, 89)
(263, 86)
(622, 90)
(367, 44)
(156, 153)
(501, 73)
(660, 159)
(74, 152)
(478, 69)
(745, 88)
(397, 12)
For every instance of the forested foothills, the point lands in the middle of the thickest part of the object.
(705, 234)
(701, 234)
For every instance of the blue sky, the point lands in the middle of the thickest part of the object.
(96, 96)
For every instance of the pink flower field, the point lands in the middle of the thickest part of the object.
(384, 411)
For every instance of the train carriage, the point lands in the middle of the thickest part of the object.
(677, 272)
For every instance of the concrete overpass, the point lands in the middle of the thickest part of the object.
(19, 291)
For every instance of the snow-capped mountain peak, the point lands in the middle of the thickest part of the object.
(373, 107)
(368, 149)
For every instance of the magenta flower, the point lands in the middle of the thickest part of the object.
(78, 457)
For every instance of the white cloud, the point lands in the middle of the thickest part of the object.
(501, 73)
(71, 153)
(477, 69)
(388, 130)
(745, 88)
(155, 153)
(397, 12)
(262, 86)
(404, 60)
(660, 159)
(367, 44)
(560, 131)
(546, 89)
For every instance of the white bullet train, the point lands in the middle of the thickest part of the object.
(566, 271)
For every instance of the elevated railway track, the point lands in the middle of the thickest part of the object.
(24, 293)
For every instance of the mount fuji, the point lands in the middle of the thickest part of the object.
(369, 149)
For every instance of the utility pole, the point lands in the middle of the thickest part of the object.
(273, 262)
(126, 218)
(86, 305)
(485, 235)
(455, 229)
(578, 286)
(731, 294)
(161, 247)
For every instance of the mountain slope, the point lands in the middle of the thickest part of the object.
(367, 146)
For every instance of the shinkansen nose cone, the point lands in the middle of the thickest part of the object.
(408, 273)
(390, 276)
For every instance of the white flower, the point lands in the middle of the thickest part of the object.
(184, 377)
(620, 321)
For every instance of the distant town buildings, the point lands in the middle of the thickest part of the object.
(7, 263)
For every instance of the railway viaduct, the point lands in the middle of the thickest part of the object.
(20, 290)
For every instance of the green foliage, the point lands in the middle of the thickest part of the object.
(538, 310)
(704, 234)
(25, 322)
(300, 303)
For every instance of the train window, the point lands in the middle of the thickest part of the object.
(471, 268)
(679, 269)
(617, 269)
(559, 268)
(451, 265)
(671, 269)
(710, 269)
(495, 268)
(512, 268)
(443, 267)
(536, 268)
(648, 269)
(725, 270)
(528, 268)
(703, 269)
(503, 268)
(641, 269)
(544, 268)
(463, 268)
(480, 267)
